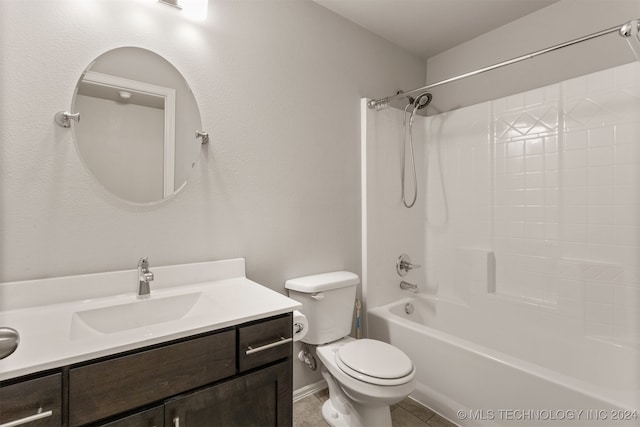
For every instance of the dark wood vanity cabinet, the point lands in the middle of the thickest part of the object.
(261, 398)
(102, 389)
(240, 376)
(262, 342)
(36, 402)
(153, 417)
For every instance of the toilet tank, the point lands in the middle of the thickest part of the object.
(327, 301)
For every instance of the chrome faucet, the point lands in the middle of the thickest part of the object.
(409, 286)
(144, 277)
(404, 265)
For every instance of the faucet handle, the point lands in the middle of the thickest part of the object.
(404, 265)
(143, 263)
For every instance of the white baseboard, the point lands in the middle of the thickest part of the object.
(308, 390)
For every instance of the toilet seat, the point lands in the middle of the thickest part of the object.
(375, 362)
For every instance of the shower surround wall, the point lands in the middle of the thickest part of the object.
(530, 227)
(388, 228)
(543, 202)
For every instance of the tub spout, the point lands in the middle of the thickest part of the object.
(409, 286)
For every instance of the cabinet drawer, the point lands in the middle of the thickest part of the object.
(39, 399)
(153, 417)
(106, 388)
(264, 342)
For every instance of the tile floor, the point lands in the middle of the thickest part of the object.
(408, 413)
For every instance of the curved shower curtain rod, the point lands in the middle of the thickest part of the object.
(626, 30)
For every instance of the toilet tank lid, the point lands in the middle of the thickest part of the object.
(323, 282)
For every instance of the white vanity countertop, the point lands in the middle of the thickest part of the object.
(51, 335)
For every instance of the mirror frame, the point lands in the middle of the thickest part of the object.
(167, 96)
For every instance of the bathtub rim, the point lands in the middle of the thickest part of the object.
(617, 398)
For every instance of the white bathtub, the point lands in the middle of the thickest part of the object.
(536, 369)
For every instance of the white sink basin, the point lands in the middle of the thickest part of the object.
(137, 314)
(67, 320)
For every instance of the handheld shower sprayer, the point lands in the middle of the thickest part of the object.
(418, 103)
(423, 100)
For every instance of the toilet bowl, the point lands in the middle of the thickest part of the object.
(365, 378)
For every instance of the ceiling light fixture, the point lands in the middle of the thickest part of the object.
(194, 9)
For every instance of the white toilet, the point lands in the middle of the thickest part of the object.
(365, 376)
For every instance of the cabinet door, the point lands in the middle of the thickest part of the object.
(153, 417)
(36, 402)
(261, 399)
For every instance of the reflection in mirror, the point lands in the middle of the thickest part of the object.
(138, 127)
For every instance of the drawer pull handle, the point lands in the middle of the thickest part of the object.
(25, 420)
(252, 350)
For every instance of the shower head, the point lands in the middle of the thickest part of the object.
(422, 100)
(419, 103)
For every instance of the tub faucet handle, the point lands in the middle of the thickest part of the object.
(404, 265)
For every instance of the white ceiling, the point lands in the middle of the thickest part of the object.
(428, 27)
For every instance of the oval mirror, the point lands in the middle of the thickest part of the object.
(139, 118)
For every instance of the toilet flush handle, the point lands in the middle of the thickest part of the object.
(318, 296)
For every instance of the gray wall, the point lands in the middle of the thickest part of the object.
(558, 23)
(279, 86)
